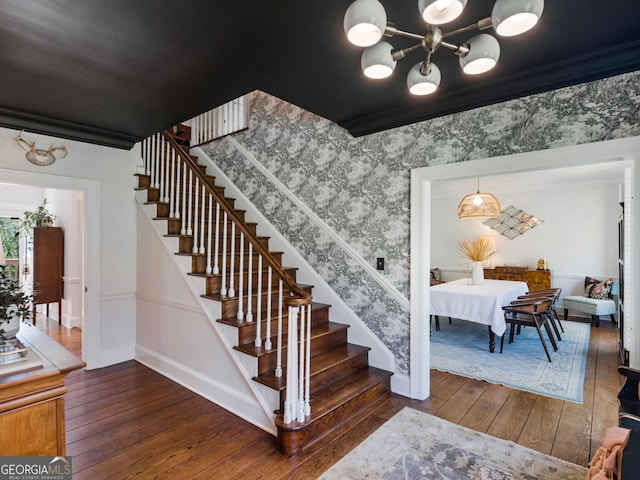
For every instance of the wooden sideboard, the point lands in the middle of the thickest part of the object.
(32, 402)
(535, 279)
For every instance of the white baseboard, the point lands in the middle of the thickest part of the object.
(241, 405)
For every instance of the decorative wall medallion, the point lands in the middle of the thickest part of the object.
(512, 222)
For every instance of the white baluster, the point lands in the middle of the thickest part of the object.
(172, 185)
(158, 138)
(258, 341)
(267, 343)
(183, 230)
(209, 270)
(216, 269)
(278, 372)
(249, 316)
(153, 161)
(307, 373)
(162, 170)
(301, 368)
(232, 290)
(202, 211)
(223, 290)
(241, 278)
(190, 206)
(196, 190)
(147, 166)
(290, 403)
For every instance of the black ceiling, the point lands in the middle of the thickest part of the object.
(112, 72)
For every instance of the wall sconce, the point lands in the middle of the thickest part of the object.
(39, 156)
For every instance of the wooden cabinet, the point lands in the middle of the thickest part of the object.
(48, 265)
(535, 279)
(32, 402)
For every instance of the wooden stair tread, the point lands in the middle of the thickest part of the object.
(274, 289)
(234, 322)
(319, 363)
(335, 395)
(208, 275)
(251, 349)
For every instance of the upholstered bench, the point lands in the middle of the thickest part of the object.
(590, 306)
(597, 300)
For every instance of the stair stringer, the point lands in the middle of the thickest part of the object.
(257, 410)
(380, 356)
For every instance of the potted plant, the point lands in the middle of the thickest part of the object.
(477, 251)
(15, 305)
(40, 217)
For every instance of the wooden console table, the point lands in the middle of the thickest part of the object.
(535, 279)
(32, 402)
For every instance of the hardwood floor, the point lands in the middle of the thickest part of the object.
(126, 421)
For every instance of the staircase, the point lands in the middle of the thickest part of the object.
(322, 384)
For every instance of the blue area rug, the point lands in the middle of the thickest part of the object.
(462, 348)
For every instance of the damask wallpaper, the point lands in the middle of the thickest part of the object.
(360, 186)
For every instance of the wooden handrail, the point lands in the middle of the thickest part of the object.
(301, 297)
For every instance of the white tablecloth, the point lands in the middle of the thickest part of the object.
(476, 303)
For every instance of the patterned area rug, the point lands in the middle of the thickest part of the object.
(462, 348)
(415, 445)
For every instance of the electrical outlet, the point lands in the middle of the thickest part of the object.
(380, 263)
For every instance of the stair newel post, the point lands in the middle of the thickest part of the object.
(172, 185)
(290, 407)
(223, 289)
(278, 372)
(232, 258)
(190, 206)
(258, 341)
(307, 372)
(267, 335)
(157, 162)
(240, 315)
(216, 245)
(209, 233)
(196, 190)
(301, 368)
(202, 219)
(183, 229)
(249, 316)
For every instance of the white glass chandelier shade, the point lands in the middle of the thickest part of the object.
(513, 17)
(423, 84)
(364, 22)
(377, 61)
(484, 51)
(437, 12)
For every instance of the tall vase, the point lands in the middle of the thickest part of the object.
(477, 274)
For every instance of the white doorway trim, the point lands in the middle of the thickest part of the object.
(622, 150)
(91, 251)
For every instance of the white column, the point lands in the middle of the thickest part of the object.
(209, 269)
(290, 403)
(267, 343)
(216, 269)
(232, 258)
(196, 191)
(278, 372)
(249, 316)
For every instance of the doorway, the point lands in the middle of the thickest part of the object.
(623, 150)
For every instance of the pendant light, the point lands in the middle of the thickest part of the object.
(478, 206)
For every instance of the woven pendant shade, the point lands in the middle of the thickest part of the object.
(478, 206)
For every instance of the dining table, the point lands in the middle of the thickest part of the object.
(480, 302)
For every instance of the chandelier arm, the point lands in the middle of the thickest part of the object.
(460, 49)
(402, 52)
(425, 68)
(481, 24)
(390, 31)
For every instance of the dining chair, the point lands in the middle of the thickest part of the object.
(530, 312)
(554, 295)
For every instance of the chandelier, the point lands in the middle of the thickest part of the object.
(479, 206)
(365, 22)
